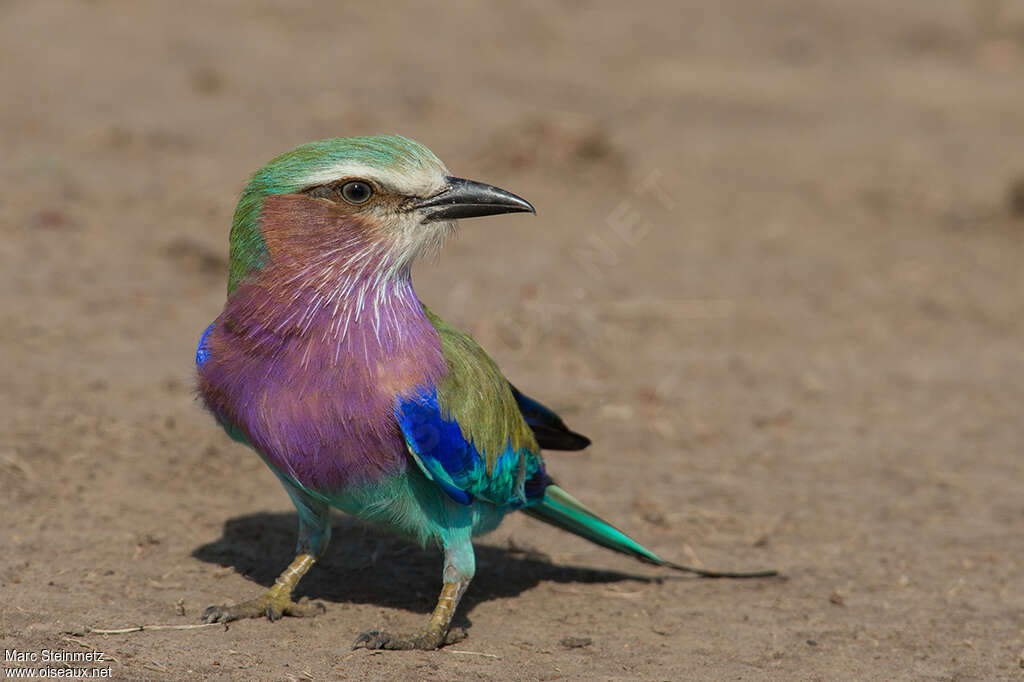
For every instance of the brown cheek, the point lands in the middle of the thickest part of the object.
(297, 227)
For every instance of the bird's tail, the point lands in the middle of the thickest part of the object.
(561, 509)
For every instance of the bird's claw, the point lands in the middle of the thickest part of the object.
(269, 605)
(426, 640)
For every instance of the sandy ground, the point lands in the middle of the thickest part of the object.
(776, 276)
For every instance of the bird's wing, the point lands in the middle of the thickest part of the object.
(549, 429)
(467, 433)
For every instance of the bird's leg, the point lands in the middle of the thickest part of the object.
(275, 602)
(434, 636)
(314, 534)
(458, 571)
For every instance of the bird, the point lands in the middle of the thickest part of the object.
(357, 395)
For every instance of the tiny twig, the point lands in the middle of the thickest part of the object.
(142, 628)
(470, 653)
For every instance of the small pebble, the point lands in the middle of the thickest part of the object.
(575, 642)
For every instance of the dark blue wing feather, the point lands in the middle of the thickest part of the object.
(457, 466)
(202, 352)
(438, 446)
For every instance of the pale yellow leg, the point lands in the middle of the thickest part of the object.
(433, 636)
(275, 602)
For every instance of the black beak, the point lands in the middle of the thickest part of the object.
(467, 199)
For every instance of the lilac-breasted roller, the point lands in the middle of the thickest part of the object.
(358, 396)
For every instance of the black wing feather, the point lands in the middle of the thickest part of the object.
(548, 427)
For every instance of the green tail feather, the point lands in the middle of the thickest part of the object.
(564, 511)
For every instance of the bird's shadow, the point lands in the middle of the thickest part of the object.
(367, 565)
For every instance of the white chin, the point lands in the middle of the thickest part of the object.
(421, 239)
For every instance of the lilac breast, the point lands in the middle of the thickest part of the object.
(311, 382)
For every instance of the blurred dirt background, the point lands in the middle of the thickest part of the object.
(776, 276)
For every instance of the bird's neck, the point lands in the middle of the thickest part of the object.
(328, 287)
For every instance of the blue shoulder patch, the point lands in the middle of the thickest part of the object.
(457, 466)
(438, 445)
(202, 352)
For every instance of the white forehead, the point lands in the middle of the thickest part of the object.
(412, 180)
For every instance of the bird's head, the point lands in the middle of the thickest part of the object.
(388, 191)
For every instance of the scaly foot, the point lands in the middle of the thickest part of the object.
(275, 602)
(426, 640)
(273, 605)
(437, 633)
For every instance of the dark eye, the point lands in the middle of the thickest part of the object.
(356, 192)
